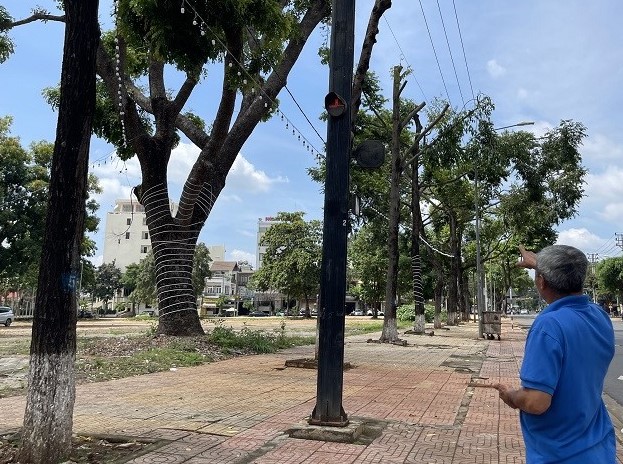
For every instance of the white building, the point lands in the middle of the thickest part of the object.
(126, 238)
(262, 226)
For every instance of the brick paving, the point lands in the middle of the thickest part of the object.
(425, 400)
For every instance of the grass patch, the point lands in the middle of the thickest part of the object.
(96, 369)
(255, 341)
(15, 347)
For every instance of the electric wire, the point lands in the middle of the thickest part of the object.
(443, 25)
(458, 26)
(402, 56)
(435, 53)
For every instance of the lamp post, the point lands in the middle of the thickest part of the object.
(480, 299)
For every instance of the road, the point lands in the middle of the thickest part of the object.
(613, 386)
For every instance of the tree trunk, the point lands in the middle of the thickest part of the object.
(452, 280)
(390, 328)
(46, 434)
(438, 297)
(419, 323)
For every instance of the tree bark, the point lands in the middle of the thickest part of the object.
(419, 322)
(390, 328)
(46, 434)
(454, 265)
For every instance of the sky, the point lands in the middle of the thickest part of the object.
(539, 61)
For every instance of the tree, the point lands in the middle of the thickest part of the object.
(145, 290)
(368, 257)
(108, 279)
(24, 187)
(128, 280)
(257, 42)
(47, 429)
(291, 262)
(610, 275)
(201, 268)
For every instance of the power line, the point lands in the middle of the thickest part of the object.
(469, 77)
(435, 52)
(402, 56)
(443, 25)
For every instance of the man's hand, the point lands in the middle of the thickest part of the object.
(528, 258)
(527, 399)
(504, 391)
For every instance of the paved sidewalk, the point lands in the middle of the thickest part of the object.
(421, 397)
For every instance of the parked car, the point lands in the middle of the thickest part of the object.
(257, 314)
(84, 314)
(6, 315)
(357, 312)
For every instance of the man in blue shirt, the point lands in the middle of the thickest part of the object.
(568, 350)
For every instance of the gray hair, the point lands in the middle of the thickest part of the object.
(563, 267)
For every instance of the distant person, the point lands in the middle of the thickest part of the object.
(568, 350)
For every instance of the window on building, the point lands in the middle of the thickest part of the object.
(128, 221)
(127, 235)
(144, 221)
(145, 235)
(144, 248)
(126, 208)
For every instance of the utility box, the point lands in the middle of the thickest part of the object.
(491, 324)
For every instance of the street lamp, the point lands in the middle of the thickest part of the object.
(480, 298)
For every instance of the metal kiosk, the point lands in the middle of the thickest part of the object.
(491, 324)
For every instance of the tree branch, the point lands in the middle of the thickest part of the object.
(379, 8)
(37, 17)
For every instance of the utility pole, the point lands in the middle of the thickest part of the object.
(328, 409)
(593, 258)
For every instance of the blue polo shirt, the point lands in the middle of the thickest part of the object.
(568, 350)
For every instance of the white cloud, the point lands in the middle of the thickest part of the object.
(230, 198)
(600, 147)
(240, 255)
(606, 186)
(580, 238)
(494, 69)
(244, 176)
(613, 212)
(182, 159)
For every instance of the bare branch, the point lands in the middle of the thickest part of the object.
(380, 7)
(37, 17)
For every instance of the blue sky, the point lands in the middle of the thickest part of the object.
(539, 61)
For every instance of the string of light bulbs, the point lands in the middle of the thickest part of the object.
(199, 22)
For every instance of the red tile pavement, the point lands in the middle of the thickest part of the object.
(421, 397)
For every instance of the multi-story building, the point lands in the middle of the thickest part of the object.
(126, 238)
(262, 226)
(221, 285)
